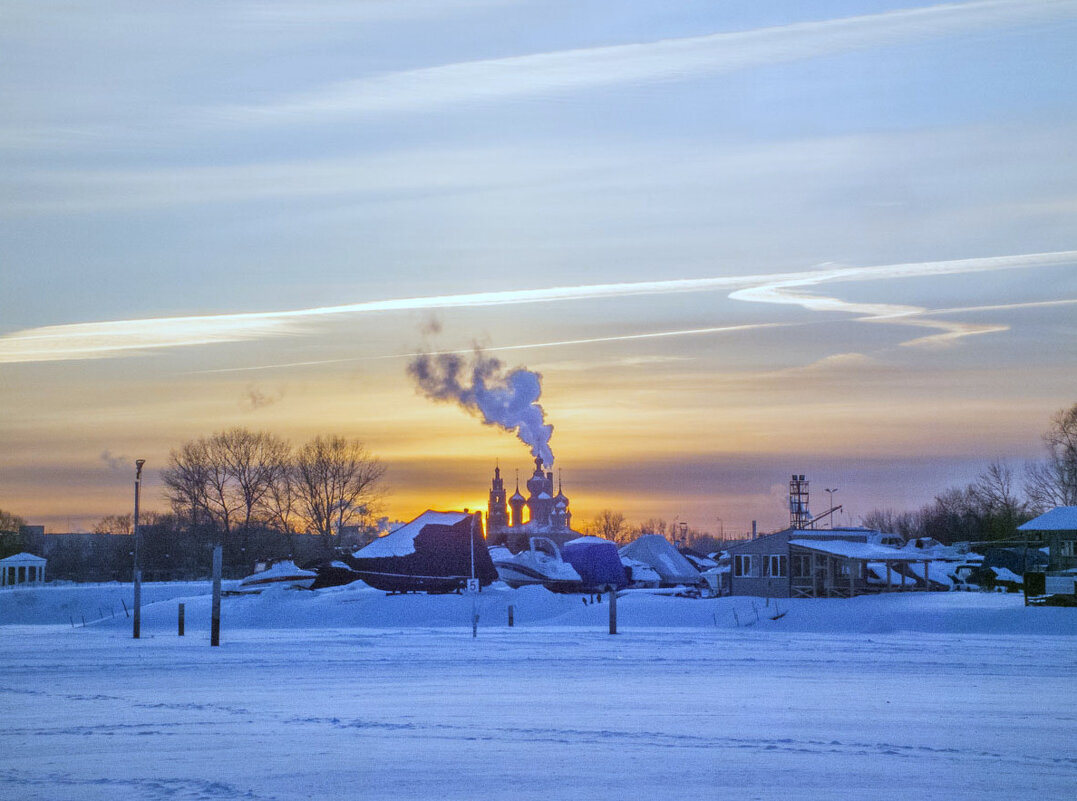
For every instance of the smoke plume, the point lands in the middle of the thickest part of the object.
(504, 398)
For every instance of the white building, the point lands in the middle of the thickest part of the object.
(21, 569)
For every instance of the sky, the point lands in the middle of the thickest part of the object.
(737, 240)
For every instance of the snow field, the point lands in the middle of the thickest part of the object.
(348, 693)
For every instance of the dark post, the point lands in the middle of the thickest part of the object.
(510, 616)
(613, 610)
(181, 610)
(215, 624)
(138, 568)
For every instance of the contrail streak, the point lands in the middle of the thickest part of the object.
(126, 337)
(682, 332)
(565, 71)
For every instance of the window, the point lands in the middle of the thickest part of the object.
(843, 568)
(742, 565)
(777, 565)
(801, 565)
(1068, 547)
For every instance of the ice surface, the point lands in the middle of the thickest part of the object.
(347, 692)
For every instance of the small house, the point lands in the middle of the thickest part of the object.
(826, 563)
(1059, 526)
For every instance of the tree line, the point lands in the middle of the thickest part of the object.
(252, 492)
(240, 485)
(993, 505)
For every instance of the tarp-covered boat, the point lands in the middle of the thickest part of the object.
(656, 551)
(435, 552)
(282, 574)
(334, 573)
(640, 574)
(597, 562)
(541, 564)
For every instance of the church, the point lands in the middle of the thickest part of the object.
(547, 514)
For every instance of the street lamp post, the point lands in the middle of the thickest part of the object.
(831, 492)
(137, 631)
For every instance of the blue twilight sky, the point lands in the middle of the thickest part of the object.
(251, 213)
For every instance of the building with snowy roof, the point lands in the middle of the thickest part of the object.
(1059, 527)
(22, 569)
(830, 563)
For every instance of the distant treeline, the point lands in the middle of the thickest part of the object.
(997, 502)
(252, 492)
(170, 551)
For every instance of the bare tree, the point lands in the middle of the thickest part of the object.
(1053, 482)
(196, 485)
(889, 521)
(654, 525)
(116, 524)
(10, 523)
(337, 482)
(610, 525)
(253, 461)
(11, 537)
(280, 503)
(224, 480)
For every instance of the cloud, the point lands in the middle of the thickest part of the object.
(117, 463)
(559, 72)
(126, 337)
(254, 397)
(782, 292)
(431, 326)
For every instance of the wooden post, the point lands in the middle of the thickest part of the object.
(829, 576)
(215, 622)
(852, 577)
(887, 577)
(181, 610)
(613, 610)
(136, 626)
(510, 616)
(927, 579)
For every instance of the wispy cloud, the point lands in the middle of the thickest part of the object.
(667, 60)
(785, 292)
(120, 337)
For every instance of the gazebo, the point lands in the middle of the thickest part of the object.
(21, 569)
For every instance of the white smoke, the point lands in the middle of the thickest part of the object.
(504, 398)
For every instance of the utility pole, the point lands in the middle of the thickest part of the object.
(831, 492)
(138, 568)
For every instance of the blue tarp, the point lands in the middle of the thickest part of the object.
(598, 563)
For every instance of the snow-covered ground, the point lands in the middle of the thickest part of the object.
(348, 693)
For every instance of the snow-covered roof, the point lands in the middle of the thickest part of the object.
(402, 541)
(588, 539)
(22, 559)
(857, 550)
(1061, 518)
